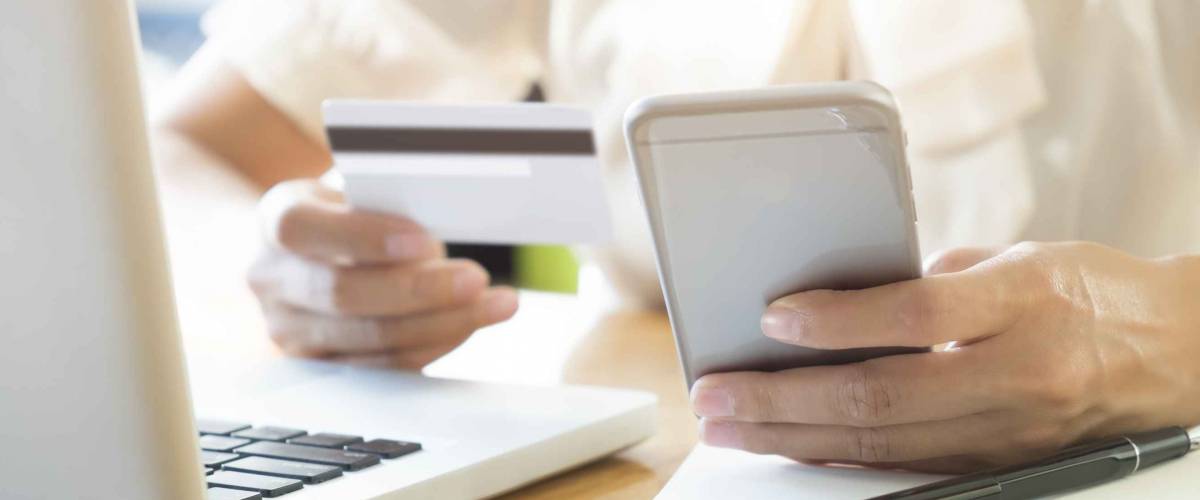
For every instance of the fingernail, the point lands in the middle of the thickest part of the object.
(501, 305)
(468, 282)
(721, 434)
(406, 245)
(781, 323)
(712, 401)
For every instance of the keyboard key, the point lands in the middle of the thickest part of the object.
(386, 447)
(213, 426)
(220, 443)
(344, 459)
(268, 433)
(228, 494)
(309, 473)
(267, 486)
(326, 440)
(214, 459)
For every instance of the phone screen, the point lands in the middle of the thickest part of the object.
(770, 204)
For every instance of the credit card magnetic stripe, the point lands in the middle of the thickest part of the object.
(461, 140)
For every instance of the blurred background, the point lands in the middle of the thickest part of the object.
(170, 31)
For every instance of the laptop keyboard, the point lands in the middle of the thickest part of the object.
(245, 462)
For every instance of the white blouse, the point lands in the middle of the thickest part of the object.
(1047, 120)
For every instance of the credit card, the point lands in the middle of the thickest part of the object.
(493, 173)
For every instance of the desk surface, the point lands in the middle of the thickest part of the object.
(640, 344)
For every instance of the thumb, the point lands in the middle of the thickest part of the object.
(958, 259)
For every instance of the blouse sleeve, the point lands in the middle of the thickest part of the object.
(297, 53)
(965, 75)
(961, 72)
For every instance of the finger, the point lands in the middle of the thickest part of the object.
(941, 465)
(307, 333)
(308, 220)
(871, 445)
(381, 290)
(883, 391)
(407, 359)
(966, 305)
(958, 259)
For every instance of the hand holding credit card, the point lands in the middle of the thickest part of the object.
(494, 173)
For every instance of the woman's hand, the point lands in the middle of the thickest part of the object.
(363, 287)
(1052, 344)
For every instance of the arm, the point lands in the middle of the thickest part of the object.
(214, 108)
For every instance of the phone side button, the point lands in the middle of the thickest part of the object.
(912, 202)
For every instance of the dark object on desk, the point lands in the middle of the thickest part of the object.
(1073, 468)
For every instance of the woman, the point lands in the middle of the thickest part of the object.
(1067, 120)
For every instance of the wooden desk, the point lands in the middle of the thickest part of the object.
(631, 349)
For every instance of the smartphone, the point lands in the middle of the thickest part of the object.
(757, 194)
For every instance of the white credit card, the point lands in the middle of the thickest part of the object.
(494, 173)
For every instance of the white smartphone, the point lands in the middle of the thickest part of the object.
(753, 195)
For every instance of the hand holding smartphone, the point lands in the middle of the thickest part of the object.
(753, 195)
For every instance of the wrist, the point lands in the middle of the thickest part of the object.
(1186, 267)
(1183, 273)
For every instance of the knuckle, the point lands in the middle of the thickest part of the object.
(765, 402)
(1030, 248)
(289, 227)
(1057, 390)
(436, 285)
(369, 331)
(918, 310)
(365, 238)
(339, 289)
(425, 285)
(951, 260)
(349, 333)
(862, 398)
(1035, 264)
(755, 439)
(869, 445)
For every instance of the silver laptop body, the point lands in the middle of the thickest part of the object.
(91, 360)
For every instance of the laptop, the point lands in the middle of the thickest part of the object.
(95, 400)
